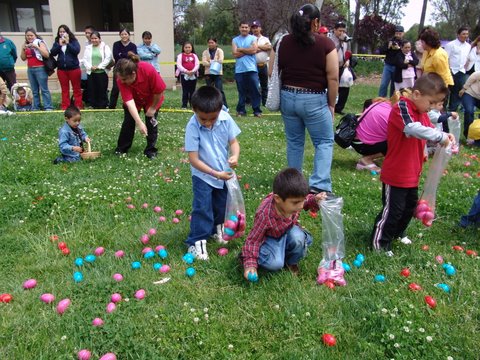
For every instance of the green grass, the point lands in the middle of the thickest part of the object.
(281, 317)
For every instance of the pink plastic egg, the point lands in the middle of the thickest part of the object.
(109, 356)
(84, 354)
(439, 259)
(157, 209)
(420, 215)
(467, 175)
(230, 224)
(227, 237)
(422, 207)
(144, 205)
(117, 277)
(178, 212)
(99, 251)
(428, 216)
(241, 224)
(165, 269)
(140, 294)
(63, 305)
(145, 250)
(159, 247)
(119, 253)
(111, 307)
(467, 163)
(144, 239)
(162, 219)
(152, 231)
(222, 251)
(97, 322)
(175, 220)
(30, 284)
(47, 298)
(116, 297)
(131, 206)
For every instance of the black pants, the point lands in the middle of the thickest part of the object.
(125, 139)
(97, 90)
(10, 77)
(113, 94)
(263, 78)
(216, 82)
(85, 94)
(188, 88)
(398, 207)
(342, 98)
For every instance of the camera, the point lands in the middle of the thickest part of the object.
(347, 38)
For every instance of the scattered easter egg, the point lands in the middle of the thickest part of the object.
(178, 212)
(66, 251)
(47, 298)
(128, 199)
(97, 322)
(163, 253)
(116, 297)
(439, 259)
(111, 307)
(467, 163)
(360, 257)
(443, 287)
(136, 265)
(467, 175)
(84, 354)
(346, 267)
(373, 172)
(77, 276)
(405, 272)
(229, 232)
(130, 206)
(175, 220)
(157, 209)
(414, 287)
(222, 251)
(90, 258)
(329, 339)
(162, 219)
(165, 269)
(379, 278)
(117, 277)
(61, 245)
(190, 272)
(99, 251)
(144, 239)
(330, 284)
(30, 284)
(157, 266)
(144, 205)
(357, 263)
(149, 254)
(109, 356)
(472, 253)
(146, 249)
(430, 301)
(54, 238)
(119, 253)
(425, 247)
(159, 247)
(140, 294)
(152, 231)
(188, 258)
(79, 262)
(457, 248)
(252, 277)
(450, 270)
(63, 305)
(5, 298)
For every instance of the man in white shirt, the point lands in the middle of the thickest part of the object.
(457, 51)
(264, 46)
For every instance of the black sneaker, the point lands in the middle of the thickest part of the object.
(151, 156)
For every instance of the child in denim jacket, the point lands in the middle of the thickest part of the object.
(71, 137)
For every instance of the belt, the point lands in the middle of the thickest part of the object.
(261, 65)
(303, 90)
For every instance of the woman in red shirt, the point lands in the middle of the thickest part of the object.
(141, 87)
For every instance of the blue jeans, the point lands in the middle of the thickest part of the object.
(289, 249)
(387, 79)
(469, 103)
(300, 111)
(248, 84)
(208, 210)
(39, 82)
(216, 82)
(458, 81)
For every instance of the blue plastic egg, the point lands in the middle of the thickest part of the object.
(373, 172)
(450, 270)
(252, 277)
(163, 253)
(444, 287)
(357, 263)
(157, 266)
(79, 262)
(360, 257)
(346, 267)
(90, 258)
(77, 276)
(229, 232)
(149, 254)
(379, 278)
(190, 272)
(188, 258)
(136, 265)
(234, 218)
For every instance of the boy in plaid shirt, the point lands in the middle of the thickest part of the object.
(276, 239)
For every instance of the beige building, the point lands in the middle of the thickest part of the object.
(107, 16)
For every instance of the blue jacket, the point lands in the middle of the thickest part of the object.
(8, 54)
(67, 60)
(67, 139)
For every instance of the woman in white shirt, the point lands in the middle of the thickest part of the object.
(473, 60)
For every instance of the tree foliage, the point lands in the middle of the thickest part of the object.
(389, 10)
(374, 32)
(458, 13)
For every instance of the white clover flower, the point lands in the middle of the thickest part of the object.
(230, 347)
(155, 316)
(276, 306)
(409, 322)
(384, 311)
(406, 329)
(307, 314)
(449, 358)
(429, 338)
(205, 310)
(196, 319)
(397, 345)
(206, 316)
(422, 330)
(64, 337)
(391, 336)
(393, 315)
(192, 310)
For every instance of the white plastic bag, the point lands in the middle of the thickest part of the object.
(235, 221)
(346, 80)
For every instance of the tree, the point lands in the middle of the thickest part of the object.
(422, 17)
(373, 32)
(458, 13)
(389, 10)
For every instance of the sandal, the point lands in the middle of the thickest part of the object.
(369, 167)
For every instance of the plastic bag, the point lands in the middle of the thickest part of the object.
(346, 80)
(235, 221)
(454, 127)
(425, 210)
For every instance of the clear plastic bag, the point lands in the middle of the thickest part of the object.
(455, 127)
(235, 221)
(425, 210)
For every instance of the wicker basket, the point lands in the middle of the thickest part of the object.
(89, 154)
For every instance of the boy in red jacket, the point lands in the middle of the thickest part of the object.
(408, 130)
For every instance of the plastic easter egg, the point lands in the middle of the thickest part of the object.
(111, 307)
(330, 284)
(457, 248)
(157, 209)
(162, 219)
(229, 232)
(149, 254)
(443, 287)
(190, 272)
(428, 216)
(425, 247)
(188, 258)
(373, 172)
(97, 322)
(63, 305)
(99, 251)
(140, 294)
(61, 245)
(144, 239)
(152, 231)
(144, 206)
(229, 224)
(66, 251)
(5, 298)
(109, 356)
(439, 259)
(77, 276)
(116, 297)
(90, 258)
(222, 251)
(79, 262)
(422, 207)
(430, 301)
(227, 237)
(379, 278)
(30, 284)
(84, 354)
(346, 267)
(159, 247)
(165, 269)
(405, 272)
(175, 220)
(178, 212)
(472, 253)
(329, 339)
(130, 206)
(157, 266)
(357, 263)
(47, 298)
(136, 265)
(145, 250)
(414, 287)
(360, 257)
(233, 218)
(450, 270)
(241, 224)
(119, 253)
(420, 215)
(163, 253)
(252, 277)
(117, 277)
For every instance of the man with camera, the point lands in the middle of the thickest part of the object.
(341, 39)
(391, 51)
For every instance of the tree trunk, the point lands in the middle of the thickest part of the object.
(355, 27)
(422, 18)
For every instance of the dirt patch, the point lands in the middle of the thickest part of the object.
(372, 79)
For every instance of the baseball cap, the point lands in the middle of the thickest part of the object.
(256, 23)
(399, 28)
(323, 30)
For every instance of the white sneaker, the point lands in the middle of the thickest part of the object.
(405, 240)
(389, 253)
(199, 250)
(218, 237)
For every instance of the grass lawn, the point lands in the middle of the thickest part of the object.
(215, 314)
